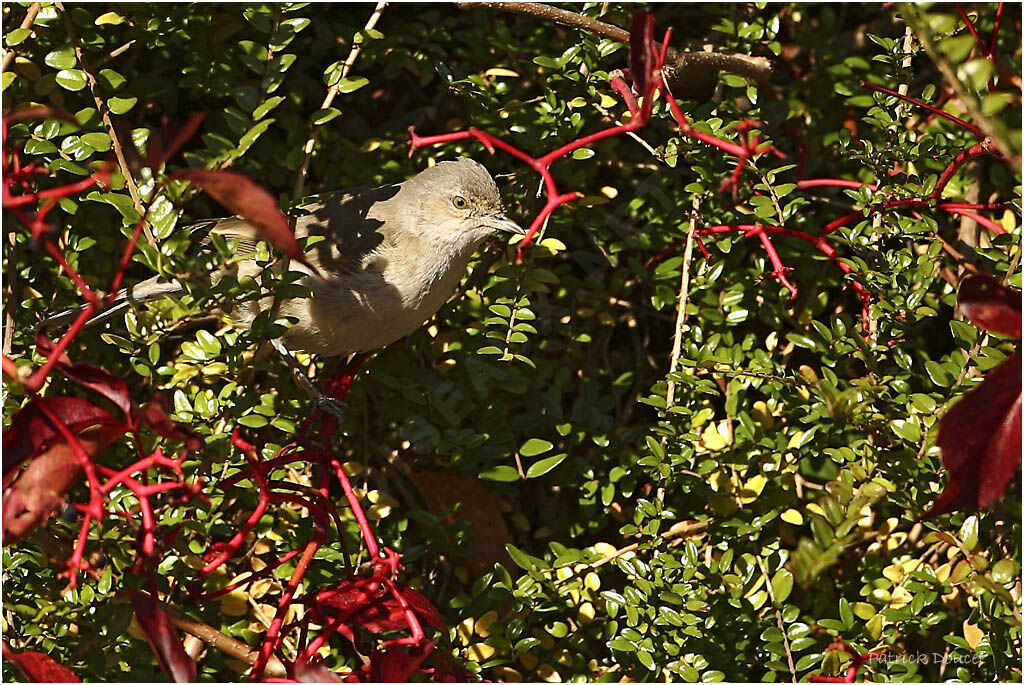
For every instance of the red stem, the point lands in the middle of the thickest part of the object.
(973, 31)
(984, 221)
(934, 110)
(834, 183)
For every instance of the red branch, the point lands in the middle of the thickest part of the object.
(924, 105)
(856, 661)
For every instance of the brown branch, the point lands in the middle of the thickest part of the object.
(688, 72)
(29, 19)
(778, 618)
(218, 640)
(115, 141)
(684, 296)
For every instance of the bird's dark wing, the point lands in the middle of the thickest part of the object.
(356, 224)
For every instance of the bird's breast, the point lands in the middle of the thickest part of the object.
(388, 299)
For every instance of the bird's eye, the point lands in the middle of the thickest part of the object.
(459, 202)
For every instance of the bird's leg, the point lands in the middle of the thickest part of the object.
(330, 405)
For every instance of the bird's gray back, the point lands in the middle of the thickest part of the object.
(356, 224)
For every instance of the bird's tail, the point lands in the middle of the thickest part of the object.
(145, 291)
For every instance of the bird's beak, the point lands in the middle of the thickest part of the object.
(500, 222)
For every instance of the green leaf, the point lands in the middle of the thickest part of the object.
(111, 18)
(351, 83)
(265, 108)
(110, 79)
(97, 141)
(782, 585)
(845, 612)
(908, 429)
(941, 373)
(121, 105)
(521, 558)
(535, 446)
(17, 36)
(124, 204)
(253, 421)
(539, 468)
(61, 58)
(322, 116)
(38, 147)
(976, 72)
(71, 79)
(502, 474)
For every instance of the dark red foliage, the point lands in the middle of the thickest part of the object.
(164, 144)
(366, 603)
(38, 667)
(163, 639)
(396, 663)
(990, 305)
(39, 490)
(856, 661)
(155, 417)
(32, 432)
(92, 377)
(980, 438)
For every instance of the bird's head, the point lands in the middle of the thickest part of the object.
(459, 202)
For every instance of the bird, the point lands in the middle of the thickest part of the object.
(389, 258)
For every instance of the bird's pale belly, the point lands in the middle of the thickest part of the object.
(361, 315)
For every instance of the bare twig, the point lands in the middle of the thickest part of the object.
(101, 107)
(29, 19)
(332, 92)
(218, 640)
(778, 618)
(684, 296)
(113, 54)
(682, 67)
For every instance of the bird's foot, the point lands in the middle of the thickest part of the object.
(331, 406)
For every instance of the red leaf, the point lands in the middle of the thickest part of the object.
(155, 416)
(990, 305)
(39, 668)
(156, 154)
(246, 199)
(31, 432)
(397, 663)
(423, 607)
(40, 489)
(980, 438)
(380, 611)
(163, 639)
(40, 112)
(488, 534)
(446, 670)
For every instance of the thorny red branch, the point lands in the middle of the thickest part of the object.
(646, 68)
